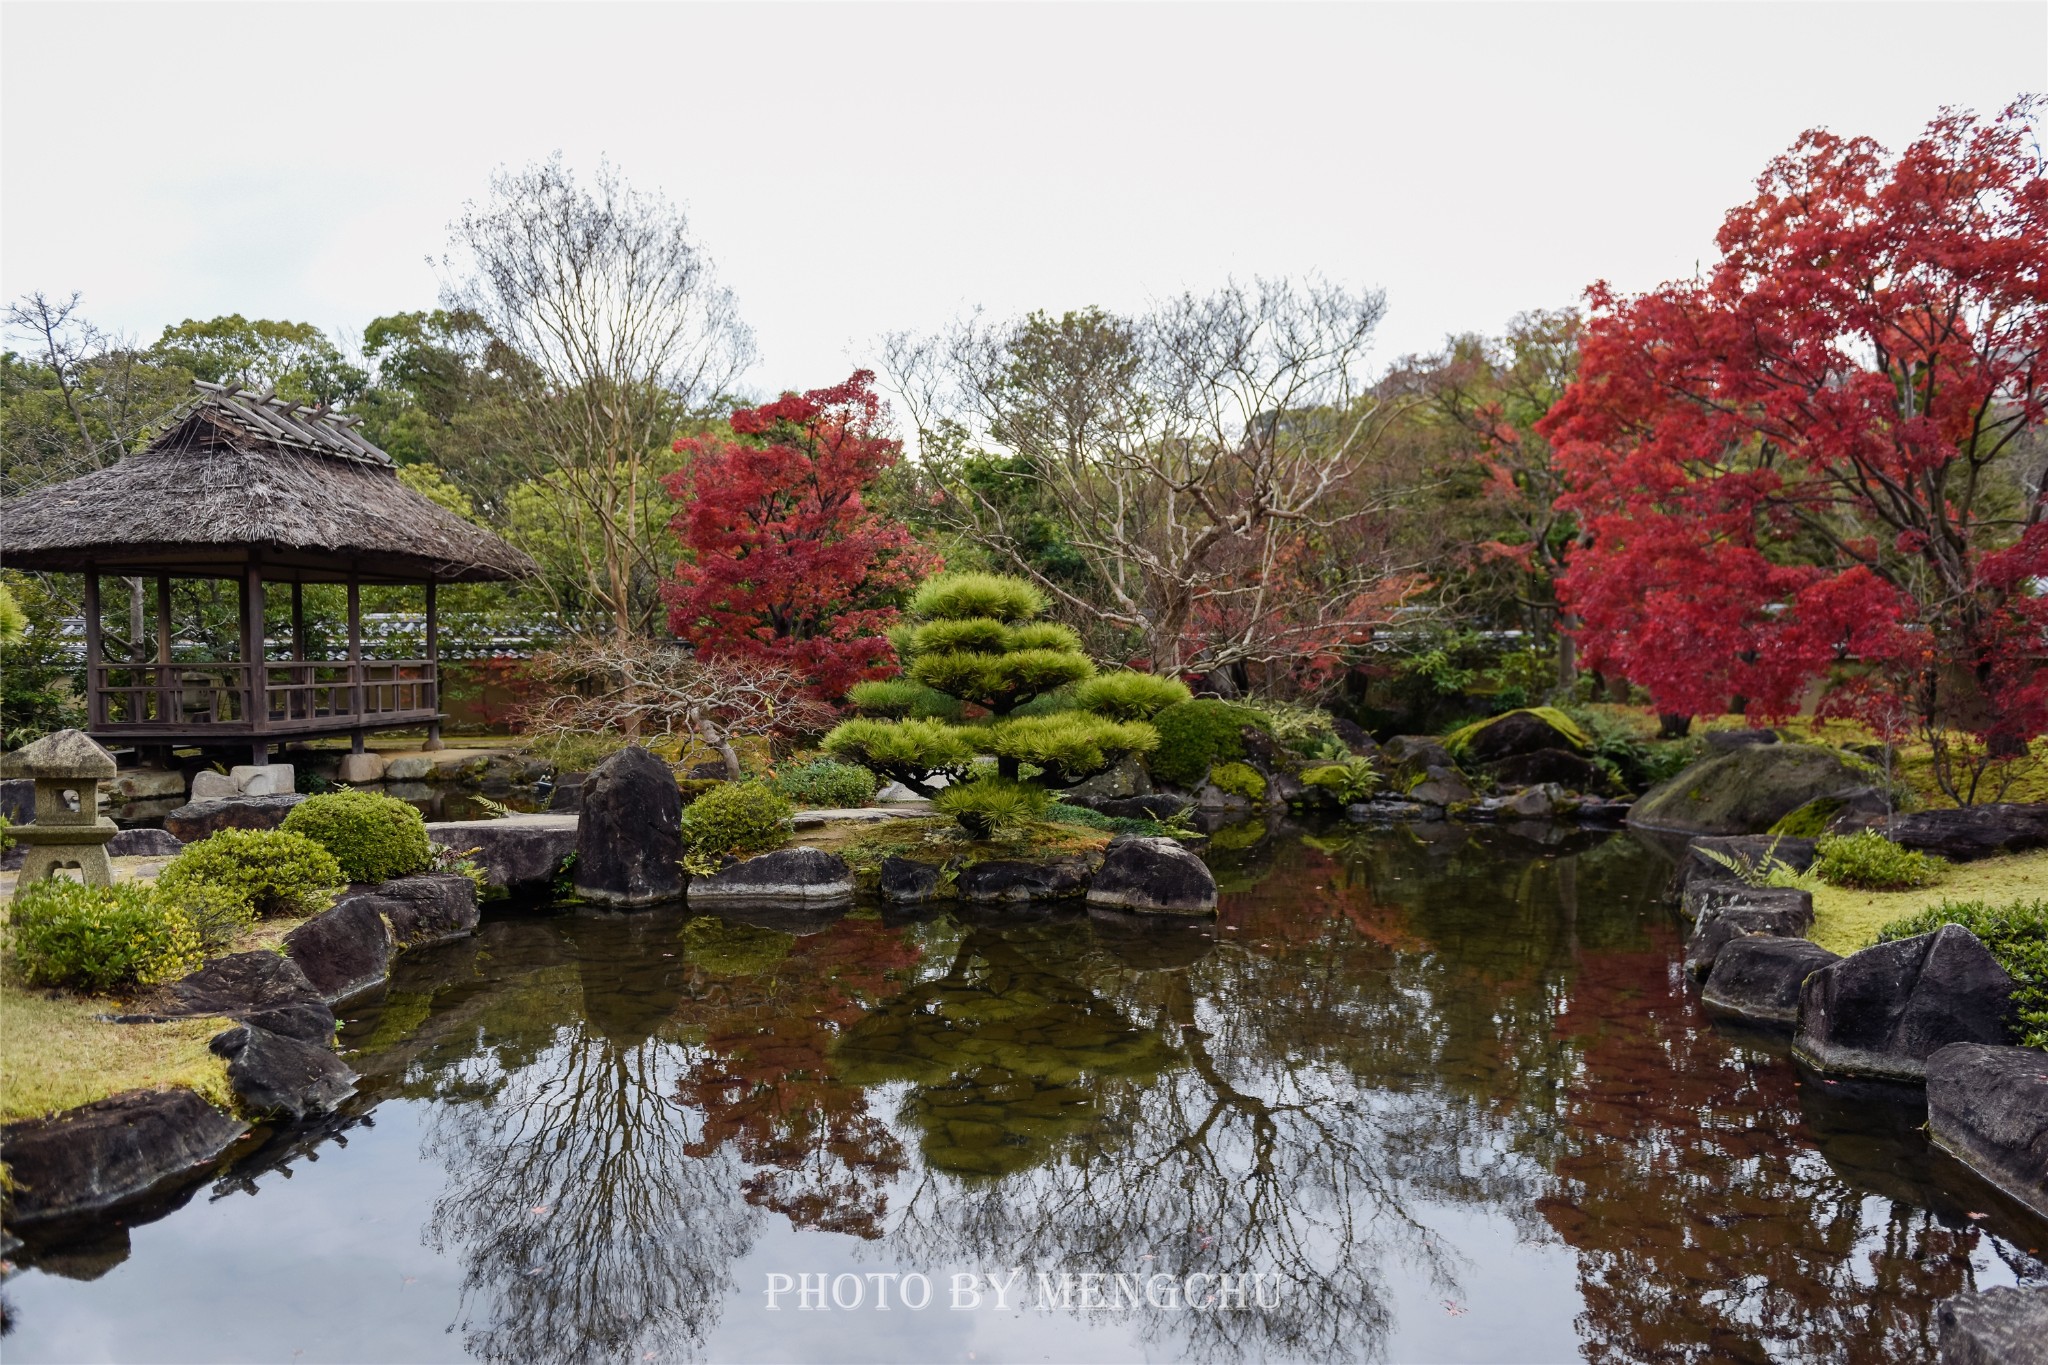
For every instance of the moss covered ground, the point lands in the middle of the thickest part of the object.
(57, 1051)
(1845, 920)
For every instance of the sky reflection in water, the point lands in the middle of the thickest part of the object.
(1450, 1090)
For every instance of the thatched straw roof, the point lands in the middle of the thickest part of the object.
(240, 476)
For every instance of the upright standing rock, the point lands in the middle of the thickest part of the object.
(629, 845)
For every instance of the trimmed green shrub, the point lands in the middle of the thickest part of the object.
(1069, 746)
(98, 938)
(901, 699)
(1239, 779)
(739, 818)
(218, 914)
(907, 751)
(955, 595)
(1867, 861)
(2016, 934)
(1129, 695)
(824, 783)
(1194, 735)
(374, 837)
(1354, 779)
(281, 873)
(991, 805)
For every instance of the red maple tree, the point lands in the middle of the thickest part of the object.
(1814, 464)
(785, 562)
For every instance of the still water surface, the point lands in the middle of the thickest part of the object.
(1444, 1090)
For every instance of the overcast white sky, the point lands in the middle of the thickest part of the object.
(858, 168)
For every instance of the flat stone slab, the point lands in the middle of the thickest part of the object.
(1784, 912)
(198, 819)
(258, 987)
(1987, 1106)
(519, 853)
(862, 815)
(800, 875)
(1756, 978)
(109, 1152)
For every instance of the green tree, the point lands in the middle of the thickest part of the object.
(296, 358)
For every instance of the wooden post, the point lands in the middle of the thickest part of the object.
(433, 671)
(258, 700)
(95, 698)
(355, 659)
(303, 695)
(166, 685)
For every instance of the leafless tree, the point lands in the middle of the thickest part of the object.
(639, 688)
(622, 331)
(1209, 461)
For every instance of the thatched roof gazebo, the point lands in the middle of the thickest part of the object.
(250, 487)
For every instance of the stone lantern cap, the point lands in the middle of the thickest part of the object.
(66, 756)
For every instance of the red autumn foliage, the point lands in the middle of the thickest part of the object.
(786, 563)
(1806, 466)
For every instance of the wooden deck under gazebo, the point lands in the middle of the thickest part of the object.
(252, 488)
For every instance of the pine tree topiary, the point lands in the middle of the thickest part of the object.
(971, 639)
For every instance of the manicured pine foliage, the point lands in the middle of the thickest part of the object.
(977, 640)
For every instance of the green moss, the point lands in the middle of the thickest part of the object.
(1459, 740)
(1239, 779)
(1810, 821)
(57, 1051)
(1195, 735)
(1845, 919)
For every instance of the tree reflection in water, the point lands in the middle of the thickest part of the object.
(1383, 1027)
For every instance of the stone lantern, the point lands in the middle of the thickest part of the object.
(69, 831)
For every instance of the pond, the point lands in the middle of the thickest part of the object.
(1442, 1090)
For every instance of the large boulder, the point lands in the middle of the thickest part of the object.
(346, 950)
(800, 875)
(520, 854)
(272, 1074)
(1004, 879)
(146, 784)
(1119, 782)
(1756, 978)
(629, 847)
(1153, 876)
(1884, 1011)
(2002, 1326)
(1441, 786)
(1516, 733)
(1987, 1106)
(1561, 766)
(197, 819)
(109, 1152)
(1749, 789)
(260, 988)
(429, 907)
(1781, 912)
(1968, 833)
(905, 881)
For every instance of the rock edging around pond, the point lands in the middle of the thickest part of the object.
(280, 1059)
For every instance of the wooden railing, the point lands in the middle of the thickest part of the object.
(197, 698)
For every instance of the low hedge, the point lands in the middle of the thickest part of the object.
(99, 938)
